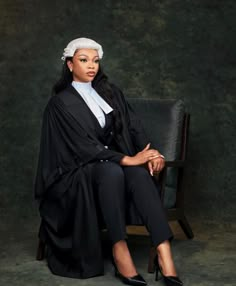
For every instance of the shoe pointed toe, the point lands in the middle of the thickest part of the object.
(172, 281)
(136, 280)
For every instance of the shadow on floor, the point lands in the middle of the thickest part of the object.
(208, 259)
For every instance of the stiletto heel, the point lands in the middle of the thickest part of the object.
(136, 280)
(157, 272)
(168, 280)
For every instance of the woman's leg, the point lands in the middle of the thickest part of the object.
(145, 196)
(109, 186)
(165, 259)
(108, 183)
(123, 259)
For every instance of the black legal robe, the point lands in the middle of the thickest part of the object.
(68, 148)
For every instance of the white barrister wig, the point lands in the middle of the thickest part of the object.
(81, 43)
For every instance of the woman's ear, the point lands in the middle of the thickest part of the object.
(70, 65)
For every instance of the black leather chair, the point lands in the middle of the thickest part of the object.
(167, 124)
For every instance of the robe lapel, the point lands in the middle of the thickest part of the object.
(77, 107)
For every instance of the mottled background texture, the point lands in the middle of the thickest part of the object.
(165, 49)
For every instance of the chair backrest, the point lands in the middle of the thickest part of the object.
(163, 122)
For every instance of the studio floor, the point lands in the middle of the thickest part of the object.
(208, 259)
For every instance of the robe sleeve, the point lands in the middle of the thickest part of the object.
(110, 155)
(84, 145)
(65, 145)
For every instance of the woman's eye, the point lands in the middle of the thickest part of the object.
(96, 61)
(83, 60)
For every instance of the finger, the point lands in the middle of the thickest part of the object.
(154, 152)
(161, 164)
(155, 165)
(151, 153)
(155, 156)
(152, 156)
(150, 168)
(147, 147)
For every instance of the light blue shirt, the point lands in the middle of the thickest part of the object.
(94, 101)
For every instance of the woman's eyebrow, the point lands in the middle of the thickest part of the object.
(87, 56)
(82, 55)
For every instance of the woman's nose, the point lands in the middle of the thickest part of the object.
(91, 65)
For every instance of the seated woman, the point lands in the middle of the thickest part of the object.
(95, 158)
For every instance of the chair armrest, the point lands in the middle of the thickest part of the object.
(177, 163)
(161, 177)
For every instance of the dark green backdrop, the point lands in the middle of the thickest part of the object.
(166, 49)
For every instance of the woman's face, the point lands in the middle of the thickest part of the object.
(84, 65)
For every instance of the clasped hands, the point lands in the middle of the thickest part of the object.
(151, 157)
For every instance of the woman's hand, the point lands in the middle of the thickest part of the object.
(156, 165)
(141, 157)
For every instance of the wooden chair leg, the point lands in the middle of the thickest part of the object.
(186, 227)
(40, 250)
(152, 255)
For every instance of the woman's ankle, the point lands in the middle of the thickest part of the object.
(123, 259)
(165, 259)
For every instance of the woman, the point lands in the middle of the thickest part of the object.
(95, 162)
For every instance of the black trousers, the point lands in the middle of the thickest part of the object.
(113, 184)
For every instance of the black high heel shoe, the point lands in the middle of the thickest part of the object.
(136, 280)
(168, 280)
